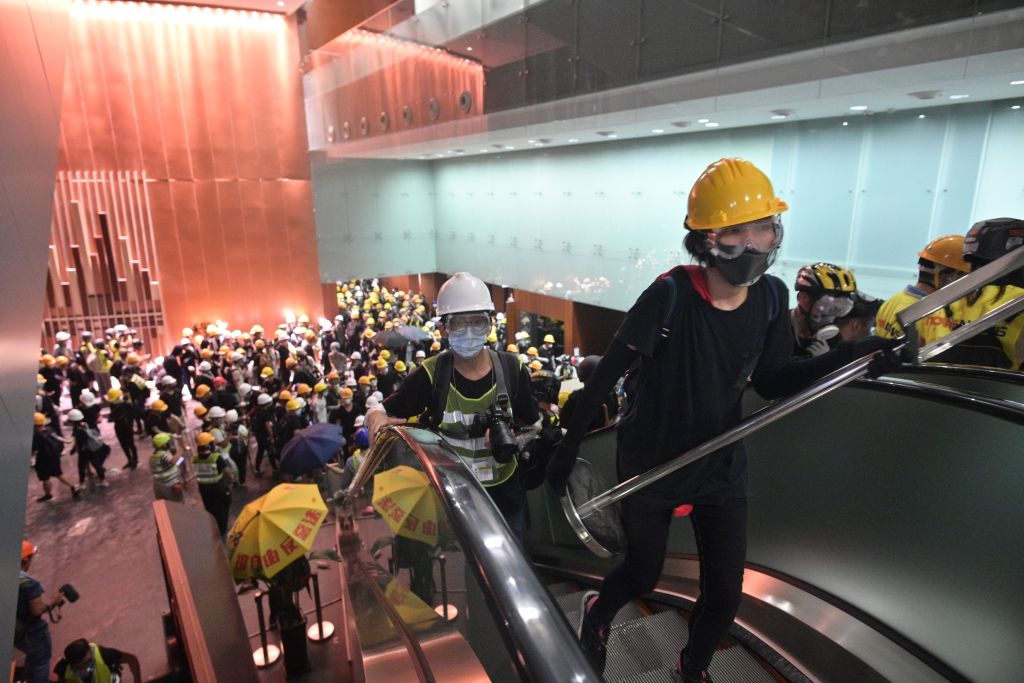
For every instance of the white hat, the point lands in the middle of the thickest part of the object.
(63, 336)
(372, 402)
(377, 395)
(75, 415)
(360, 420)
(356, 356)
(217, 412)
(243, 431)
(236, 356)
(230, 416)
(187, 332)
(421, 354)
(168, 381)
(184, 341)
(244, 389)
(264, 399)
(205, 366)
(351, 382)
(88, 398)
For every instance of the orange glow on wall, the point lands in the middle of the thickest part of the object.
(207, 105)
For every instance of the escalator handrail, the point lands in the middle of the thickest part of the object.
(537, 636)
(968, 371)
(997, 407)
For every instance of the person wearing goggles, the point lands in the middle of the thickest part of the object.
(825, 294)
(695, 338)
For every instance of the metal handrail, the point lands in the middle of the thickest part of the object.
(540, 642)
(989, 319)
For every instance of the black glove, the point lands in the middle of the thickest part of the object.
(560, 467)
(885, 362)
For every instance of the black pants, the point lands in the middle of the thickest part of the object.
(265, 448)
(87, 460)
(217, 501)
(126, 437)
(240, 455)
(721, 535)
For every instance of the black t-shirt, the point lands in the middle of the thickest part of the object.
(413, 396)
(689, 387)
(609, 410)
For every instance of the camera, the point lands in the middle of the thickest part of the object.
(503, 442)
(69, 592)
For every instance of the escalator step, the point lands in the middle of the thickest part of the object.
(559, 589)
(737, 664)
(645, 644)
(666, 675)
(570, 604)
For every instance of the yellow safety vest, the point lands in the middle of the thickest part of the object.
(935, 326)
(206, 468)
(100, 674)
(459, 414)
(165, 471)
(1010, 333)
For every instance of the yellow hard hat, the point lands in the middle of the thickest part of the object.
(389, 325)
(303, 389)
(532, 351)
(161, 440)
(284, 395)
(62, 361)
(512, 348)
(730, 192)
(40, 379)
(364, 380)
(289, 362)
(492, 338)
(563, 396)
(256, 329)
(436, 346)
(202, 390)
(114, 395)
(47, 360)
(303, 319)
(549, 339)
(133, 358)
(38, 419)
(399, 366)
(346, 392)
(259, 344)
(947, 251)
(333, 375)
(369, 334)
(370, 320)
(310, 334)
(381, 363)
(199, 410)
(204, 439)
(536, 365)
(319, 387)
(293, 404)
(158, 406)
(206, 354)
(385, 354)
(211, 329)
(267, 372)
(246, 336)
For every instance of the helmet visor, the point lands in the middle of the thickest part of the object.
(761, 236)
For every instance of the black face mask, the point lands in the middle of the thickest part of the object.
(745, 269)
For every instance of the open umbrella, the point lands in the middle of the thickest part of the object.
(398, 337)
(403, 497)
(275, 529)
(311, 448)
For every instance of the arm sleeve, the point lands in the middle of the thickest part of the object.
(111, 656)
(525, 406)
(412, 398)
(613, 365)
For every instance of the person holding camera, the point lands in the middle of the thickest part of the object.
(31, 632)
(472, 396)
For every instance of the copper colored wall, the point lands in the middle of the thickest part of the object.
(208, 104)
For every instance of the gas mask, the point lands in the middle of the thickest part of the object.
(743, 253)
(825, 310)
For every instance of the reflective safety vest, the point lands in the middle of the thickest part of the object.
(165, 471)
(1010, 333)
(206, 468)
(100, 674)
(454, 427)
(933, 326)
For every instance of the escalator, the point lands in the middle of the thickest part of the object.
(884, 521)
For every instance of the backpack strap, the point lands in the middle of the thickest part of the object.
(774, 302)
(670, 306)
(503, 399)
(444, 372)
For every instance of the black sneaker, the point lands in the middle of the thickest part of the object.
(593, 637)
(44, 498)
(688, 675)
(76, 492)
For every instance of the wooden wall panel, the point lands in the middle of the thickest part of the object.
(205, 105)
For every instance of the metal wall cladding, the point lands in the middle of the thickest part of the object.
(205, 105)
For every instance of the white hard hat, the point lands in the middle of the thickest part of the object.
(377, 395)
(360, 420)
(351, 382)
(243, 431)
(184, 341)
(421, 354)
(230, 416)
(236, 356)
(88, 398)
(372, 402)
(217, 412)
(264, 399)
(187, 332)
(63, 336)
(75, 415)
(356, 356)
(205, 366)
(244, 389)
(463, 293)
(168, 381)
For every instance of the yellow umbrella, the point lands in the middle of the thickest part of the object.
(409, 606)
(404, 498)
(275, 529)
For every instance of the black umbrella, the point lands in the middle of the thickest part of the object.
(398, 337)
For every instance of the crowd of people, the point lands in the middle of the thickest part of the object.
(227, 402)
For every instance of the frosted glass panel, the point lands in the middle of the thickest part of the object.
(598, 222)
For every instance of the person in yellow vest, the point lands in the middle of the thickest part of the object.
(939, 263)
(165, 466)
(86, 662)
(481, 394)
(1001, 346)
(214, 476)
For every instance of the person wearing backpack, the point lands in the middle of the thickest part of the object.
(694, 339)
(472, 396)
(90, 448)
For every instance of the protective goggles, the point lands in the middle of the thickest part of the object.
(477, 322)
(827, 308)
(760, 236)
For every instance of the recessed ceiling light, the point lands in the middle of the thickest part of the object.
(920, 116)
(711, 124)
(280, 3)
(958, 97)
(573, 140)
(1016, 82)
(1016, 106)
(530, 142)
(469, 48)
(657, 130)
(777, 117)
(858, 107)
(703, 120)
(509, 147)
(485, 150)
(846, 123)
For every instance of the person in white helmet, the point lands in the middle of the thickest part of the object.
(482, 395)
(91, 449)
